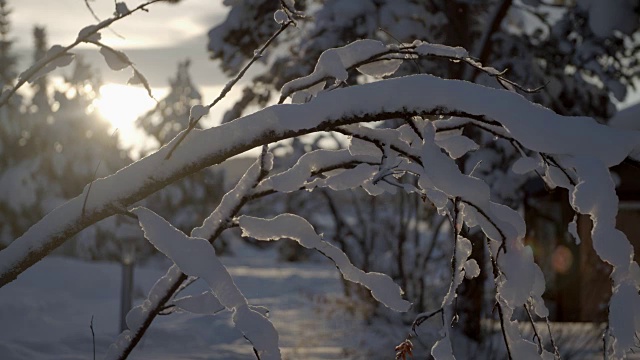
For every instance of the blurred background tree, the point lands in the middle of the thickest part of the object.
(54, 143)
(189, 201)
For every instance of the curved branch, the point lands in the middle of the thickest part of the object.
(537, 128)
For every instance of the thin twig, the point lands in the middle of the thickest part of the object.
(496, 274)
(400, 43)
(122, 57)
(556, 352)
(190, 280)
(86, 197)
(95, 16)
(504, 334)
(257, 55)
(536, 335)
(412, 124)
(408, 51)
(5, 96)
(93, 337)
(93, 13)
(420, 319)
(503, 244)
(95, 172)
(167, 309)
(550, 159)
(255, 351)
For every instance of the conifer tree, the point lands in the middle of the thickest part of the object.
(40, 98)
(7, 58)
(197, 194)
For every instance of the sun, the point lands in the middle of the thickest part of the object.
(121, 105)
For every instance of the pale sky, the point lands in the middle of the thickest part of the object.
(164, 25)
(155, 41)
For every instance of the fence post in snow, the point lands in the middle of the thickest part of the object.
(126, 292)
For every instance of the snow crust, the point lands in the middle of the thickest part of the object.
(121, 8)
(442, 350)
(297, 228)
(595, 195)
(205, 304)
(280, 17)
(84, 33)
(197, 112)
(456, 145)
(231, 201)
(628, 118)
(56, 57)
(196, 257)
(380, 68)
(117, 60)
(361, 175)
(136, 316)
(525, 164)
(368, 56)
(429, 49)
(536, 127)
(333, 63)
(296, 177)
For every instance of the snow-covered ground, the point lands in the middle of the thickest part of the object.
(46, 313)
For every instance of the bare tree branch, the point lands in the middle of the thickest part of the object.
(257, 55)
(5, 96)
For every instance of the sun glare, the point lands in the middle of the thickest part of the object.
(121, 105)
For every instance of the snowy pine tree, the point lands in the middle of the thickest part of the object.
(7, 58)
(40, 99)
(187, 201)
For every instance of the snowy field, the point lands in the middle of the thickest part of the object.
(46, 313)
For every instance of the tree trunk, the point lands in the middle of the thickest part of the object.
(471, 305)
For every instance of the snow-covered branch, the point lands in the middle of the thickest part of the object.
(167, 286)
(577, 147)
(537, 128)
(296, 228)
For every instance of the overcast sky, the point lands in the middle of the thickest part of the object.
(155, 40)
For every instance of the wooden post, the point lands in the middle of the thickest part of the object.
(126, 292)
